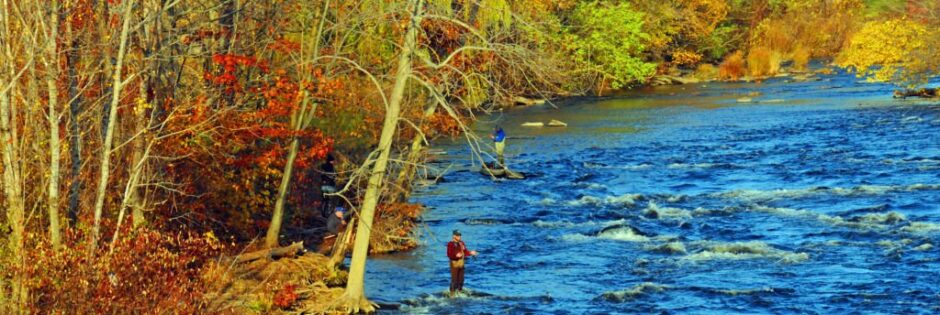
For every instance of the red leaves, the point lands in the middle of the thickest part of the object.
(285, 297)
(230, 65)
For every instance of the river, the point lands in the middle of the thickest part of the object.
(815, 197)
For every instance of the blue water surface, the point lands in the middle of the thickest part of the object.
(816, 197)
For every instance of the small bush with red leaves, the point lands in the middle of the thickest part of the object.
(149, 272)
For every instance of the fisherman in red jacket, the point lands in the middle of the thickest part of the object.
(457, 251)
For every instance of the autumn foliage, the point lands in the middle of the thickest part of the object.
(207, 96)
(733, 67)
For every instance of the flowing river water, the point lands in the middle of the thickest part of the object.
(815, 197)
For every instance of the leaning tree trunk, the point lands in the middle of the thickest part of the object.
(105, 164)
(301, 118)
(354, 298)
(274, 230)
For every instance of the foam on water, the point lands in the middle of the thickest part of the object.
(924, 247)
(655, 211)
(623, 233)
(633, 292)
(777, 194)
(745, 250)
(625, 200)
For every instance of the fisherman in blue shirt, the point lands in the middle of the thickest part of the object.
(499, 142)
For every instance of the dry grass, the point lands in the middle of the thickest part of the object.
(733, 67)
(250, 288)
(762, 62)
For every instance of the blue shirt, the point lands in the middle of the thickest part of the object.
(500, 135)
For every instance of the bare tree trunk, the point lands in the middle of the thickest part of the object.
(354, 297)
(12, 190)
(117, 84)
(12, 182)
(75, 133)
(52, 73)
(137, 167)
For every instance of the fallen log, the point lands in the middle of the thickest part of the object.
(271, 253)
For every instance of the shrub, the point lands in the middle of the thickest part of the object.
(706, 71)
(149, 272)
(801, 58)
(733, 67)
(762, 61)
(686, 58)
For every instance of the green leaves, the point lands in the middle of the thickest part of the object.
(609, 38)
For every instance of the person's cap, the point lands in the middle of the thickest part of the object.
(457, 232)
(340, 209)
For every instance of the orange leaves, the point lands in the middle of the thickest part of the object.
(284, 46)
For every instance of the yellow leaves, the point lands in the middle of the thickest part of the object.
(141, 105)
(894, 50)
(211, 236)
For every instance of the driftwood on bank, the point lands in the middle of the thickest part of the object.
(525, 101)
(271, 253)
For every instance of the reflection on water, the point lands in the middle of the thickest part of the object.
(684, 200)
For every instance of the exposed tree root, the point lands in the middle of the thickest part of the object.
(355, 305)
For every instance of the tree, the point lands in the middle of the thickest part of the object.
(608, 39)
(51, 64)
(898, 50)
(301, 118)
(354, 298)
(118, 82)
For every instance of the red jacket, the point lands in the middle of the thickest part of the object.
(455, 247)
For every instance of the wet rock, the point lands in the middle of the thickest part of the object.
(671, 248)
